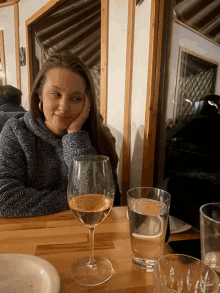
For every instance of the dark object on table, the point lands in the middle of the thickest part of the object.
(189, 247)
(188, 195)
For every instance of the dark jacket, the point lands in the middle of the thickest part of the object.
(4, 116)
(12, 108)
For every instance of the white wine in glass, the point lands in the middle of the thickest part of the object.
(90, 193)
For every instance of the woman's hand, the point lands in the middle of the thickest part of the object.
(77, 123)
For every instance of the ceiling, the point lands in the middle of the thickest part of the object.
(201, 15)
(75, 25)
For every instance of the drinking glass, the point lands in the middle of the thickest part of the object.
(179, 273)
(210, 235)
(148, 210)
(90, 194)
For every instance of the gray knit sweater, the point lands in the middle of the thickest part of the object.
(34, 166)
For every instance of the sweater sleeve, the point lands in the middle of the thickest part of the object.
(76, 144)
(16, 199)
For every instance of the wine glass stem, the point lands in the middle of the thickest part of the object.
(92, 261)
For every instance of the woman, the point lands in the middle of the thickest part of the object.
(37, 150)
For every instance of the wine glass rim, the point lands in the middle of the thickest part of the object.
(96, 158)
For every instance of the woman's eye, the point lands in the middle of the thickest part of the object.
(76, 98)
(56, 94)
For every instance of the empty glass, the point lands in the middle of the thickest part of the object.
(184, 274)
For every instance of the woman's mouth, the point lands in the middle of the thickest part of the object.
(63, 117)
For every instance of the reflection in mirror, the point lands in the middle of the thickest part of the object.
(184, 83)
(196, 79)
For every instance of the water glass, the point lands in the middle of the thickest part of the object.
(148, 211)
(210, 235)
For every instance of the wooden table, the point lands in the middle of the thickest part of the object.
(61, 239)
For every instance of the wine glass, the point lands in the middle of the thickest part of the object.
(90, 194)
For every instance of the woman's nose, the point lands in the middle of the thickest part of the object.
(64, 104)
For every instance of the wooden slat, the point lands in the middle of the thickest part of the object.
(177, 85)
(2, 53)
(208, 19)
(17, 45)
(104, 59)
(194, 9)
(44, 10)
(9, 3)
(128, 93)
(155, 47)
(29, 56)
(164, 92)
(70, 39)
(60, 32)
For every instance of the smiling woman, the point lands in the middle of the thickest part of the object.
(37, 149)
(63, 99)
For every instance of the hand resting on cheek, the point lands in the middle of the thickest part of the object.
(77, 123)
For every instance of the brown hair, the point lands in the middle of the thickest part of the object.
(100, 136)
(10, 94)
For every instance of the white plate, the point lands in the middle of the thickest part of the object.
(24, 273)
(177, 226)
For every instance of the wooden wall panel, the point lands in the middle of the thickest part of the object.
(29, 56)
(17, 45)
(127, 109)
(2, 53)
(164, 92)
(104, 58)
(153, 79)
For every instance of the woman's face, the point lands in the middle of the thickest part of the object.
(63, 99)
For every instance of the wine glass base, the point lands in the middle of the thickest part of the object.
(91, 276)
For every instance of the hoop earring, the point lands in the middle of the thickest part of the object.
(41, 106)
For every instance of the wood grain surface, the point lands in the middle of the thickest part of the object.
(61, 239)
